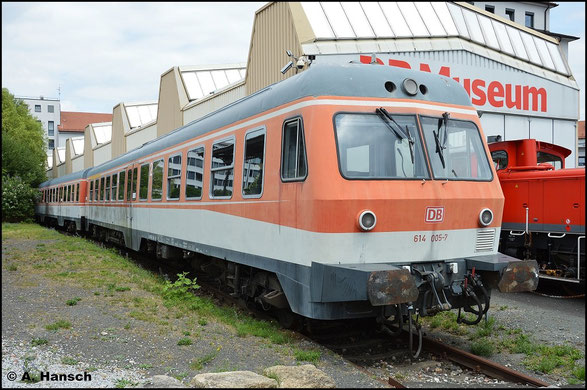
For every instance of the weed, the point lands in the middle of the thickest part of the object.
(73, 302)
(186, 333)
(69, 360)
(180, 288)
(185, 341)
(579, 373)
(122, 383)
(482, 347)
(60, 324)
(127, 326)
(121, 288)
(273, 375)
(36, 342)
(307, 355)
(202, 321)
(12, 267)
(199, 363)
(145, 366)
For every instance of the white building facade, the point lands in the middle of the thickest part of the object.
(48, 113)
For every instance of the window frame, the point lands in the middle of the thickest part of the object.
(256, 131)
(510, 14)
(107, 188)
(50, 108)
(283, 125)
(526, 15)
(203, 147)
(167, 178)
(140, 182)
(490, 8)
(39, 108)
(51, 128)
(224, 168)
(102, 187)
(113, 187)
(120, 185)
(151, 178)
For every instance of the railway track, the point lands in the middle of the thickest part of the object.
(357, 341)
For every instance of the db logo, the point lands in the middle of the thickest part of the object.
(434, 214)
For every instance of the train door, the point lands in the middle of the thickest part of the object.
(130, 197)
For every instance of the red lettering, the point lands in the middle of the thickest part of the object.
(367, 60)
(495, 90)
(509, 101)
(480, 98)
(534, 93)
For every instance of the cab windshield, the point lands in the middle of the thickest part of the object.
(374, 147)
(455, 149)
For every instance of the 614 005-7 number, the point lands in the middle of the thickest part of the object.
(433, 238)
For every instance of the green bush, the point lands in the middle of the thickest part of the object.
(18, 200)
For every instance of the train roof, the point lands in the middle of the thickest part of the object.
(359, 80)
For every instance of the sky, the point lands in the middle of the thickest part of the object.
(96, 55)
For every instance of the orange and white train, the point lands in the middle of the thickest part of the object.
(344, 191)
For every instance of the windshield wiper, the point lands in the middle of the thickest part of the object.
(383, 114)
(440, 148)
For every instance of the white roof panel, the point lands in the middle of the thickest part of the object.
(358, 19)
(61, 154)
(103, 133)
(202, 81)
(332, 21)
(78, 145)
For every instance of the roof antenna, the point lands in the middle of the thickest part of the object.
(59, 92)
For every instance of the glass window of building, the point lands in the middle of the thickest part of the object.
(51, 144)
(529, 20)
(37, 108)
(50, 108)
(510, 13)
(490, 8)
(51, 128)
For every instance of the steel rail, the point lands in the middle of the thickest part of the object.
(479, 364)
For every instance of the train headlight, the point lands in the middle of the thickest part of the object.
(367, 220)
(410, 86)
(485, 217)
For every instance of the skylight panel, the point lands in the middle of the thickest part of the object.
(317, 19)
(338, 20)
(530, 48)
(192, 85)
(358, 19)
(377, 19)
(488, 32)
(61, 154)
(504, 39)
(556, 57)
(458, 19)
(103, 133)
(145, 114)
(430, 18)
(543, 52)
(206, 82)
(243, 72)
(413, 19)
(516, 41)
(133, 116)
(78, 145)
(233, 75)
(395, 19)
(473, 26)
(50, 161)
(219, 77)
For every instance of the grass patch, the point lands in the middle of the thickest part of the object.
(72, 302)
(37, 342)
(202, 321)
(60, 324)
(311, 356)
(12, 267)
(199, 363)
(482, 347)
(185, 341)
(122, 383)
(69, 360)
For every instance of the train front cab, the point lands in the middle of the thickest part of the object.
(399, 226)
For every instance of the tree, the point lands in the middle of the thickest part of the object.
(24, 159)
(23, 142)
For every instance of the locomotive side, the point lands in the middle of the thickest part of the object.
(342, 192)
(544, 215)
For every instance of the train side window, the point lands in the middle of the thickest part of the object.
(121, 185)
(555, 161)
(222, 170)
(194, 180)
(500, 159)
(134, 183)
(102, 187)
(96, 193)
(144, 182)
(107, 189)
(129, 185)
(253, 165)
(157, 185)
(174, 177)
(77, 192)
(61, 194)
(66, 194)
(114, 186)
(293, 151)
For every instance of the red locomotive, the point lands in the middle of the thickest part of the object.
(544, 212)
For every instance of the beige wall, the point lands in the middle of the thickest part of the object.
(120, 127)
(172, 98)
(88, 152)
(77, 163)
(68, 153)
(278, 27)
(212, 103)
(102, 153)
(139, 137)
